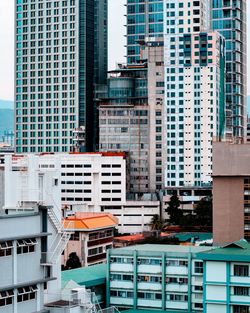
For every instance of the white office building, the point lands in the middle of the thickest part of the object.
(194, 92)
(87, 182)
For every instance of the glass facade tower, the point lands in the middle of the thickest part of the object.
(229, 18)
(144, 19)
(61, 52)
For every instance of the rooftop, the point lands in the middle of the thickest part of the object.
(157, 311)
(237, 251)
(86, 276)
(163, 248)
(189, 236)
(130, 237)
(89, 221)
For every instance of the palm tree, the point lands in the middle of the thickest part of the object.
(156, 223)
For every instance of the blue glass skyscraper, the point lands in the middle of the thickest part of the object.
(229, 18)
(144, 19)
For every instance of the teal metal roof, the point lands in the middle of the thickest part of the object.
(183, 237)
(162, 248)
(86, 276)
(237, 251)
(156, 311)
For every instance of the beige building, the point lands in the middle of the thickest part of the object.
(131, 111)
(231, 192)
(92, 235)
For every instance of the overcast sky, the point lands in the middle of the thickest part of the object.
(116, 42)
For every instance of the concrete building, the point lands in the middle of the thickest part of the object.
(248, 130)
(160, 277)
(226, 279)
(87, 182)
(131, 114)
(24, 239)
(91, 180)
(194, 92)
(144, 21)
(135, 216)
(231, 192)
(60, 53)
(92, 235)
(229, 18)
(32, 234)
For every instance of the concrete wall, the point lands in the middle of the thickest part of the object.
(228, 209)
(230, 166)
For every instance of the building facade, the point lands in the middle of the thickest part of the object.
(144, 20)
(229, 18)
(194, 93)
(92, 236)
(156, 277)
(231, 192)
(61, 52)
(131, 117)
(22, 287)
(82, 182)
(226, 279)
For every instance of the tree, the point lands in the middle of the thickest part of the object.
(174, 211)
(73, 261)
(204, 212)
(156, 222)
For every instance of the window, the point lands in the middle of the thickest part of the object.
(95, 251)
(149, 261)
(121, 260)
(198, 267)
(241, 309)
(121, 294)
(149, 296)
(5, 248)
(177, 297)
(241, 270)
(26, 245)
(241, 291)
(6, 297)
(75, 236)
(26, 293)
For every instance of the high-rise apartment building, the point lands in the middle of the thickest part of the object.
(144, 20)
(61, 52)
(229, 18)
(194, 92)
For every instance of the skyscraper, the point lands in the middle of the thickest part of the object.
(229, 18)
(131, 117)
(61, 52)
(194, 92)
(144, 19)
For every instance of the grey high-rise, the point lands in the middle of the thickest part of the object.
(229, 18)
(61, 53)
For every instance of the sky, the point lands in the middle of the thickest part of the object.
(116, 42)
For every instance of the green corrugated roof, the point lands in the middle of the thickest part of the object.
(86, 276)
(183, 237)
(156, 311)
(163, 248)
(237, 251)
